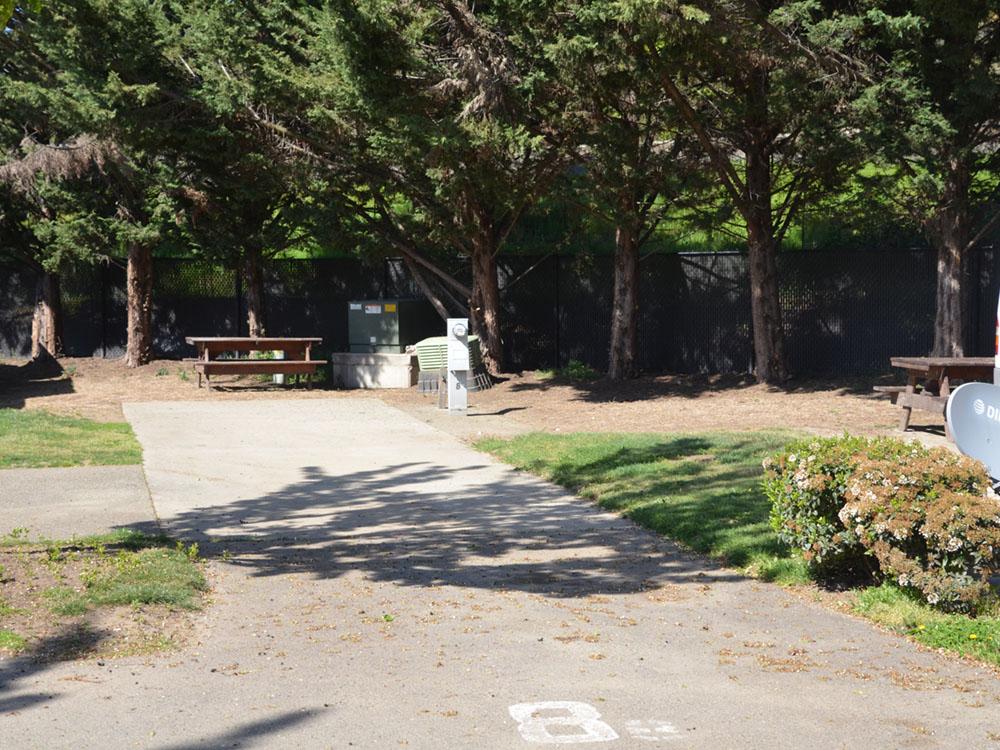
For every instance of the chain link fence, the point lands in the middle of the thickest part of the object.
(844, 313)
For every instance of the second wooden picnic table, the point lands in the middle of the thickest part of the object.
(937, 376)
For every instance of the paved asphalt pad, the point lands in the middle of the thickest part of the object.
(379, 585)
(63, 502)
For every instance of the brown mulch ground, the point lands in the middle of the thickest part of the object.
(96, 388)
(672, 403)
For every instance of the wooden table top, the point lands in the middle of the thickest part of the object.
(267, 341)
(948, 363)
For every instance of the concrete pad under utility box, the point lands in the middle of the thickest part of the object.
(355, 370)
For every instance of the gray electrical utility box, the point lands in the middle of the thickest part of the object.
(390, 325)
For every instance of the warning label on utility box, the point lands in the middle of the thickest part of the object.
(373, 309)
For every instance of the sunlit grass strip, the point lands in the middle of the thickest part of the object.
(37, 439)
(119, 538)
(11, 641)
(893, 608)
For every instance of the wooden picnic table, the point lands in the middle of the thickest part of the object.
(936, 376)
(297, 355)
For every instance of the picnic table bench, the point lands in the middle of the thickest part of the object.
(936, 376)
(297, 356)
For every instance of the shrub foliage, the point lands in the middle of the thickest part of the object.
(927, 518)
(806, 484)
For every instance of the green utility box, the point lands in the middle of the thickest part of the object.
(388, 326)
(432, 357)
(432, 353)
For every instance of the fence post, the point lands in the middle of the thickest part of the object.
(104, 310)
(558, 259)
(238, 285)
(972, 310)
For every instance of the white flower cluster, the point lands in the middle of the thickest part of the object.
(954, 544)
(801, 478)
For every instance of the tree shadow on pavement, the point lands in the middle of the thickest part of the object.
(70, 642)
(421, 524)
(252, 732)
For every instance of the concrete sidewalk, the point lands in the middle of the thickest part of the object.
(383, 585)
(59, 503)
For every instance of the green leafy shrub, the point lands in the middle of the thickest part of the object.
(574, 370)
(931, 520)
(807, 483)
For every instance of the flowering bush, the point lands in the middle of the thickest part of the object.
(807, 483)
(931, 520)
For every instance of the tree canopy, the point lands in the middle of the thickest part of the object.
(432, 129)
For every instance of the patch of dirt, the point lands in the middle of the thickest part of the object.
(27, 574)
(96, 388)
(676, 403)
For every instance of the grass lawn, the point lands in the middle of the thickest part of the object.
(32, 439)
(891, 607)
(701, 490)
(138, 584)
(704, 491)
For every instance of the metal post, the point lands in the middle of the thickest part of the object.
(458, 364)
(104, 310)
(238, 285)
(279, 377)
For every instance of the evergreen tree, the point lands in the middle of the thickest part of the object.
(637, 160)
(418, 112)
(932, 116)
(101, 103)
(771, 106)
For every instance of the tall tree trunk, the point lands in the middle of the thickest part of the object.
(768, 336)
(625, 305)
(139, 304)
(46, 322)
(253, 273)
(765, 308)
(484, 304)
(949, 232)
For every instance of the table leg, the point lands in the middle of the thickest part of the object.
(946, 391)
(911, 387)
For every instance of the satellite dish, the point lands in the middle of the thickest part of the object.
(973, 414)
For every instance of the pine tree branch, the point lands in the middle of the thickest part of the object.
(723, 166)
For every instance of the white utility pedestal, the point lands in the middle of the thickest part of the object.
(458, 364)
